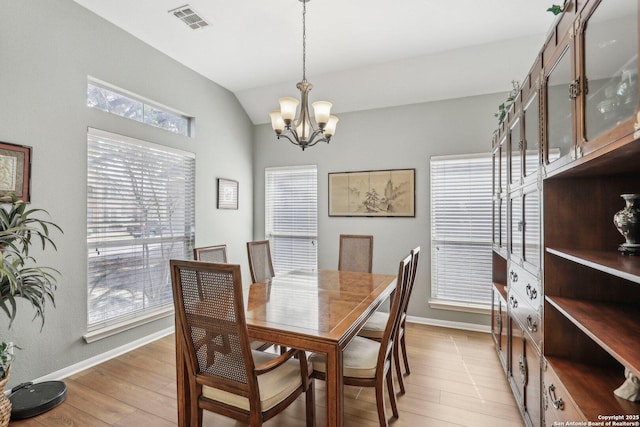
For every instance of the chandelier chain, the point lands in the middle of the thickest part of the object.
(304, 41)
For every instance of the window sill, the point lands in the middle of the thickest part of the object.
(459, 306)
(111, 329)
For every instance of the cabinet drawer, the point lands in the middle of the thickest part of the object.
(526, 284)
(557, 405)
(527, 316)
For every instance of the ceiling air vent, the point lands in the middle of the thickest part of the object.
(189, 16)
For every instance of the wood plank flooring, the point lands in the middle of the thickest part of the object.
(456, 380)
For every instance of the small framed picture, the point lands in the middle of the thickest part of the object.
(15, 172)
(227, 194)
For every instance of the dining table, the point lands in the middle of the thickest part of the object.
(316, 311)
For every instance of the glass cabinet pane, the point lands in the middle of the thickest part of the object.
(531, 137)
(503, 166)
(532, 227)
(496, 222)
(559, 109)
(516, 227)
(611, 65)
(516, 152)
(503, 223)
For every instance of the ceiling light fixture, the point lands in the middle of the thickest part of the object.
(300, 131)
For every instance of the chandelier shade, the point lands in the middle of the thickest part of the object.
(300, 130)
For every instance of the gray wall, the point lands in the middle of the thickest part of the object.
(47, 50)
(391, 138)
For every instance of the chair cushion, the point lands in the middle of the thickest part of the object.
(275, 385)
(359, 359)
(374, 328)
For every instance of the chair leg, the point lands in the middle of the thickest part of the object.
(396, 359)
(392, 393)
(403, 343)
(382, 410)
(311, 404)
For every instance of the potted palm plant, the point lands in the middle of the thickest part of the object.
(20, 228)
(6, 356)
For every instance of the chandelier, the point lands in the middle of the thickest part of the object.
(300, 131)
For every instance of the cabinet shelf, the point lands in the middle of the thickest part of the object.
(502, 289)
(610, 262)
(612, 326)
(591, 388)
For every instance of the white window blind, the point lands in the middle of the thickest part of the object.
(140, 214)
(291, 217)
(461, 230)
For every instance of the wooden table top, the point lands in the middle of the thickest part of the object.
(324, 304)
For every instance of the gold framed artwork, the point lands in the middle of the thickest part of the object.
(381, 193)
(227, 194)
(15, 172)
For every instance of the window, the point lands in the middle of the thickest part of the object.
(106, 97)
(140, 214)
(291, 217)
(461, 231)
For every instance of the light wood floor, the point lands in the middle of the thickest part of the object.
(456, 380)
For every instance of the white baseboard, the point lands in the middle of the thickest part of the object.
(100, 358)
(449, 324)
(103, 357)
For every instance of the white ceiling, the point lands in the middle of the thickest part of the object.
(361, 54)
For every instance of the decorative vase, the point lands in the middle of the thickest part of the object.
(5, 403)
(627, 221)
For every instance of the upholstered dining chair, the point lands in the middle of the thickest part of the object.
(368, 363)
(355, 253)
(223, 374)
(260, 263)
(374, 328)
(217, 253)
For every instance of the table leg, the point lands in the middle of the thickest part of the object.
(335, 389)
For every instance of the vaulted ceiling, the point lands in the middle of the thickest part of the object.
(361, 54)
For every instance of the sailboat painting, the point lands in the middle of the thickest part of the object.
(382, 193)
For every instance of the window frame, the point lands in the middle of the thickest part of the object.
(290, 238)
(118, 237)
(482, 237)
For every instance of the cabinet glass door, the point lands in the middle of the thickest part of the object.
(516, 152)
(516, 227)
(503, 166)
(503, 223)
(559, 119)
(611, 66)
(532, 227)
(531, 136)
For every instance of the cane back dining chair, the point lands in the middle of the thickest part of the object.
(374, 328)
(223, 374)
(217, 253)
(355, 253)
(260, 264)
(368, 363)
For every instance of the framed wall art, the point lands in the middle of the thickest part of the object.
(227, 194)
(381, 193)
(15, 171)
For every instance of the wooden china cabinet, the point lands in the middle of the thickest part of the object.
(566, 302)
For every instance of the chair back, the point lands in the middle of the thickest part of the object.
(213, 326)
(260, 263)
(217, 253)
(415, 256)
(356, 253)
(397, 304)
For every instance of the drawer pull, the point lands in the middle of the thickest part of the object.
(522, 364)
(558, 403)
(514, 302)
(532, 326)
(531, 292)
